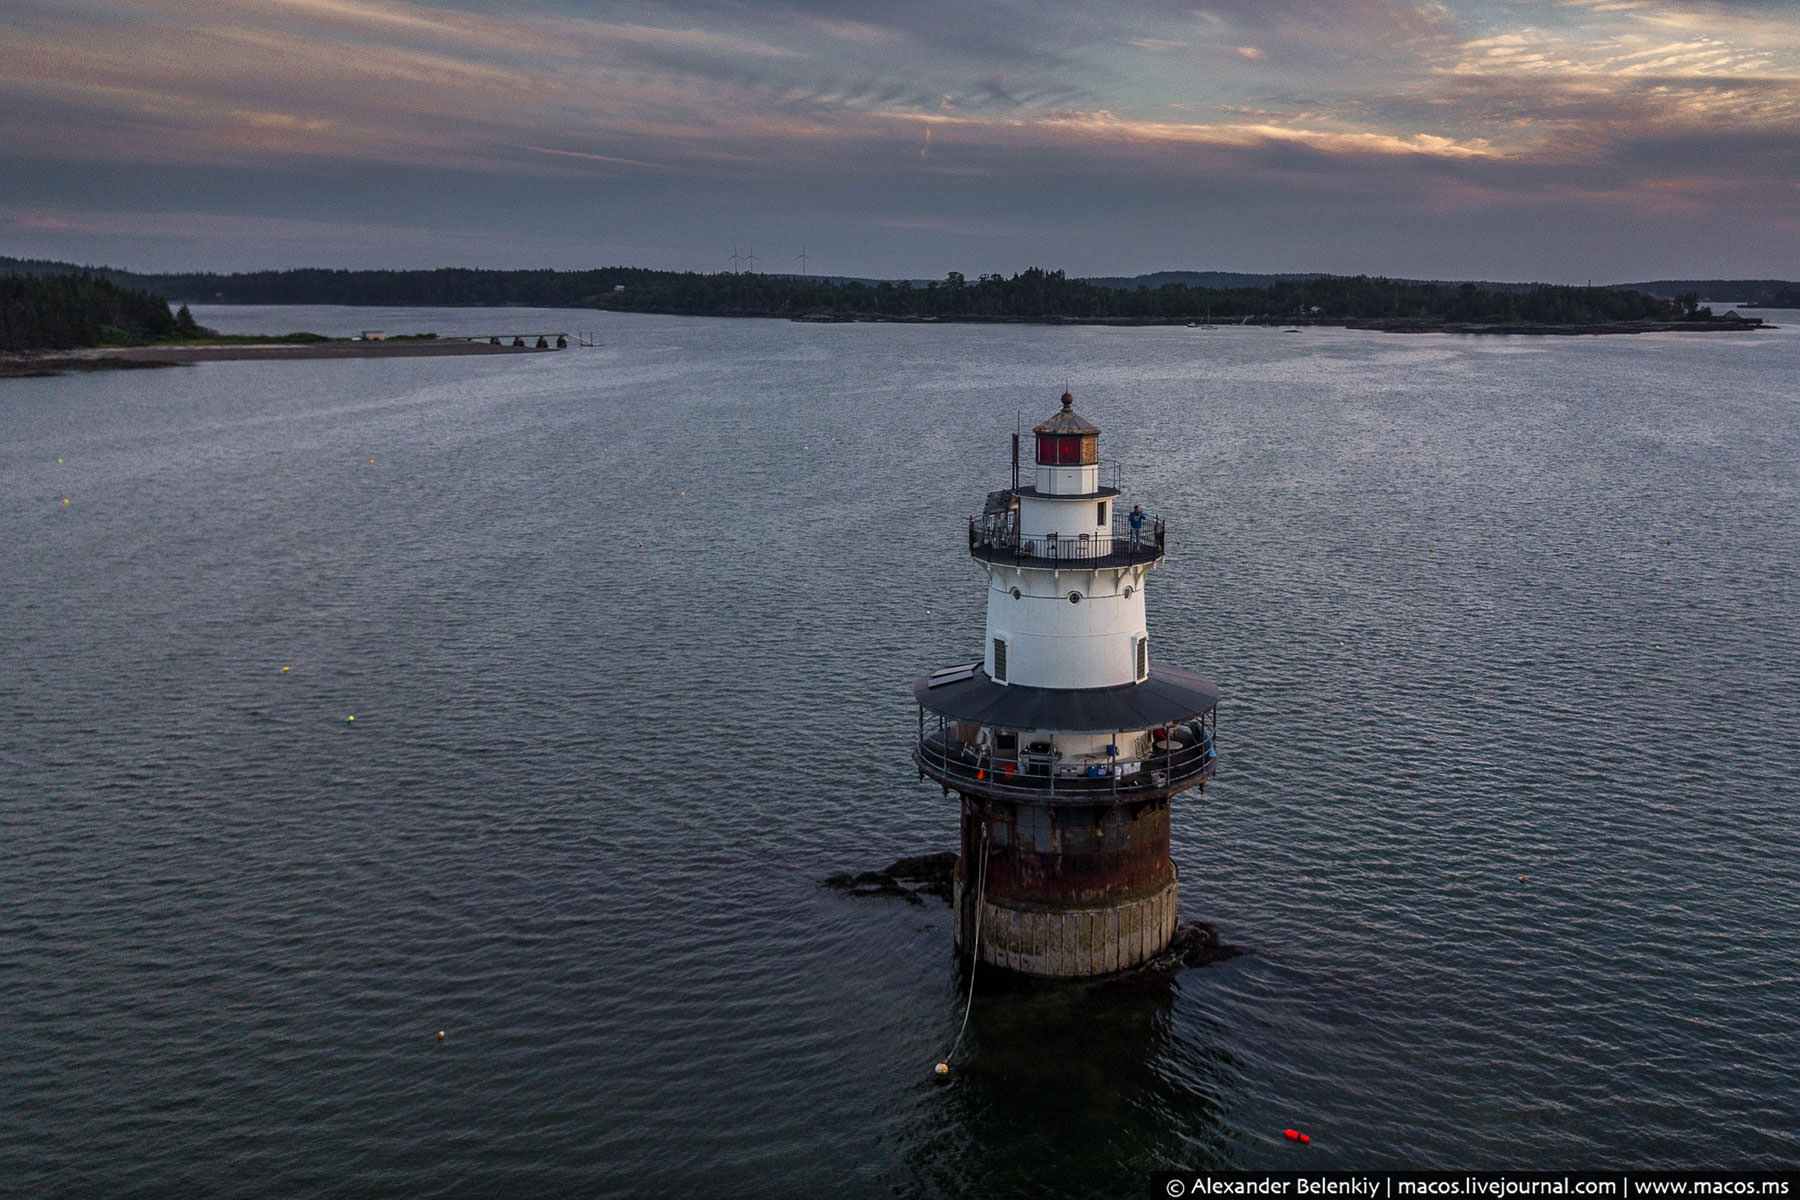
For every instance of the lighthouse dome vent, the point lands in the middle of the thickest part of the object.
(1067, 421)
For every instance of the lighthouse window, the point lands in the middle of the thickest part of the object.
(1074, 597)
(1016, 593)
(999, 661)
(1067, 450)
(1102, 518)
(1143, 657)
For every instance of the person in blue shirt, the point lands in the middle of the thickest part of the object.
(1137, 525)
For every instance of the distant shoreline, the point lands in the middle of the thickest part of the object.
(29, 363)
(37, 363)
(1375, 324)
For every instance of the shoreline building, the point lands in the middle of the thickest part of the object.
(1066, 742)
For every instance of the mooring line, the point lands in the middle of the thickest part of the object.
(943, 1067)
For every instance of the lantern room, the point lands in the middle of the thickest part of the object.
(1065, 440)
(1068, 455)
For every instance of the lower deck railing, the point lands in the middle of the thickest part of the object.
(957, 763)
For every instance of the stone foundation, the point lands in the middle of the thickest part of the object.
(1068, 943)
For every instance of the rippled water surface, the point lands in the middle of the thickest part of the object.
(1505, 819)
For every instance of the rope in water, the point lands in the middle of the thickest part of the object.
(974, 955)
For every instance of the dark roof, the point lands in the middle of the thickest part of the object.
(1066, 421)
(1003, 501)
(1167, 695)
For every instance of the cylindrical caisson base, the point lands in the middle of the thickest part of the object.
(1067, 943)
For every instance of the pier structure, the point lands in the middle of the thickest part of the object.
(1066, 742)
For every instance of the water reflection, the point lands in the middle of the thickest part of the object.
(1073, 1089)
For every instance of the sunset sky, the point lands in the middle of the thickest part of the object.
(1556, 140)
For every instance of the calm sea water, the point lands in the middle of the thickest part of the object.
(1505, 819)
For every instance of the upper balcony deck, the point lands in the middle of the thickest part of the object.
(996, 539)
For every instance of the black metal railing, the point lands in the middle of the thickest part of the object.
(996, 537)
(957, 764)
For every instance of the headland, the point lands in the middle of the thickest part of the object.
(56, 362)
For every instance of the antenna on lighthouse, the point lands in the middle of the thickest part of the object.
(1018, 430)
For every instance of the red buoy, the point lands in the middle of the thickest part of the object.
(1295, 1136)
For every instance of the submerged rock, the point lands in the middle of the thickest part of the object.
(1195, 944)
(930, 875)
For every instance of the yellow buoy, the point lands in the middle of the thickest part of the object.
(942, 1068)
(348, 719)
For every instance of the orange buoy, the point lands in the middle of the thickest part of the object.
(1295, 1136)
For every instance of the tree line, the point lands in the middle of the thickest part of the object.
(449, 287)
(66, 311)
(1037, 294)
(1753, 293)
(1034, 294)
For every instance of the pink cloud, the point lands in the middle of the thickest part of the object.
(30, 221)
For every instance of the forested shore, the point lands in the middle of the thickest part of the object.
(1038, 295)
(63, 312)
(84, 306)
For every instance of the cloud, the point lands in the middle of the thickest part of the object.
(59, 224)
(1105, 126)
(389, 80)
(908, 110)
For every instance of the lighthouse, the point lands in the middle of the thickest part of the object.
(1067, 742)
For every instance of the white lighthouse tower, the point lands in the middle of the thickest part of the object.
(1066, 741)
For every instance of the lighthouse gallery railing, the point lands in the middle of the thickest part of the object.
(951, 762)
(998, 536)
